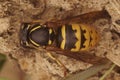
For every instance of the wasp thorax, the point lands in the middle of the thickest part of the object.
(38, 35)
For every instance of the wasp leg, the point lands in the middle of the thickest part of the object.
(38, 21)
(55, 59)
(58, 62)
(82, 56)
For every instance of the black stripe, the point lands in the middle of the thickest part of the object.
(70, 37)
(59, 37)
(82, 38)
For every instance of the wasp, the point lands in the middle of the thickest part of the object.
(72, 37)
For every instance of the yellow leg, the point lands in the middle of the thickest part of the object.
(52, 57)
(59, 63)
(56, 60)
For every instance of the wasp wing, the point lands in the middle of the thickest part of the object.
(87, 18)
(83, 56)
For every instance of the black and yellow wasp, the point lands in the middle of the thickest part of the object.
(73, 37)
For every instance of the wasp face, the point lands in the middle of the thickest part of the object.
(24, 34)
(37, 35)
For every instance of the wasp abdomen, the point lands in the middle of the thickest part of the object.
(77, 37)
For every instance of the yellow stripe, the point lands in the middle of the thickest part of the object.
(63, 36)
(26, 43)
(50, 31)
(35, 28)
(49, 42)
(78, 36)
(95, 36)
(34, 43)
(23, 26)
(87, 36)
(28, 26)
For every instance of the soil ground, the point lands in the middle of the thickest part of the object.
(36, 64)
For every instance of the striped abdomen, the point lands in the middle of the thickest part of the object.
(77, 37)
